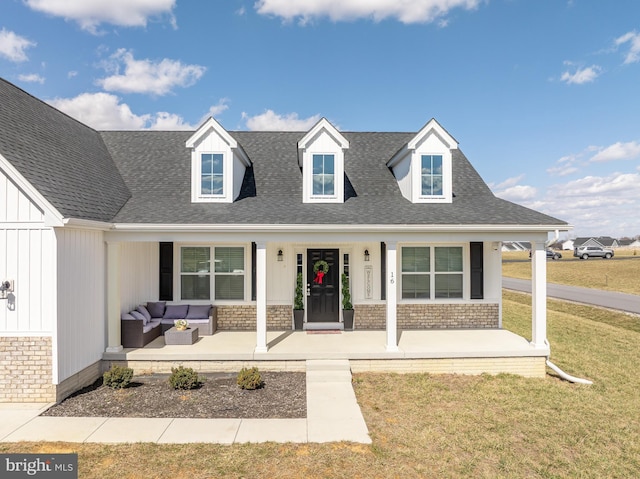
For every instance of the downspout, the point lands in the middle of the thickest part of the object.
(562, 374)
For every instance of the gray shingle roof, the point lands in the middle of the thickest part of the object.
(156, 168)
(66, 161)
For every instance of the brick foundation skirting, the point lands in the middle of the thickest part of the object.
(243, 318)
(26, 369)
(429, 316)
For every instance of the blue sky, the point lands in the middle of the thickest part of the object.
(542, 95)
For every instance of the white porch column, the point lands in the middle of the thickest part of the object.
(538, 294)
(114, 341)
(261, 297)
(392, 297)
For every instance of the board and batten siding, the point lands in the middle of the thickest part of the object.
(81, 279)
(27, 257)
(139, 274)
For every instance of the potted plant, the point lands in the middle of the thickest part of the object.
(347, 307)
(298, 305)
(181, 324)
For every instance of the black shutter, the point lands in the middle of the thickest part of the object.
(166, 272)
(253, 271)
(477, 272)
(383, 270)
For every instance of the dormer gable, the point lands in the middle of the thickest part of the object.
(321, 158)
(218, 164)
(423, 167)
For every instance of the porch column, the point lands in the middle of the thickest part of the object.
(538, 294)
(114, 341)
(392, 300)
(261, 297)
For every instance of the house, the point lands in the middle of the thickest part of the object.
(601, 241)
(94, 223)
(508, 246)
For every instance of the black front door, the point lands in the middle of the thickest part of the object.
(323, 285)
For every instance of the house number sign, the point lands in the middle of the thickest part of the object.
(392, 280)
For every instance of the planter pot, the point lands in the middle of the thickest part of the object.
(347, 316)
(298, 319)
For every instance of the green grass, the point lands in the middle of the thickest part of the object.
(446, 426)
(621, 275)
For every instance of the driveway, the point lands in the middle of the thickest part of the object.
(595, 297)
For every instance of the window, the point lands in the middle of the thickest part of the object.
(421, 263)
(416, 281)
(448, 272)
(195, 272)
(431, 174)
(229, 273)
(323, 175)
(211, 174)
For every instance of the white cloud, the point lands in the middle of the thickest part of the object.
(89, 14)
(104, 111)
(517, 193)
(271, 121)
(144, 76)
(509, 182)
(633, 38)
(618, 151)
(12, 46)
(406, 11)
(580, 76)
(31, 78)
(72, 74)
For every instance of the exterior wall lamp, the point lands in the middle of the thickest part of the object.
(280, 255)
(5, 288)
(366, 255)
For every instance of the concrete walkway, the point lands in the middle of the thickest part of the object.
(332, 415)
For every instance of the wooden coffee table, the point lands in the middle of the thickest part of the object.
(173, 336)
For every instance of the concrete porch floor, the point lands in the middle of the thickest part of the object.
(485, 350)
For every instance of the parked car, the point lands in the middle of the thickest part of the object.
(554, 255)
(586, 252)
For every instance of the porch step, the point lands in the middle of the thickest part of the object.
(323, 326)
(328, 370)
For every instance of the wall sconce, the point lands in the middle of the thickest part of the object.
(5, 288)
(366, 255)
(280, 255)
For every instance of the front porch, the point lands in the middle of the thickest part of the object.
(475, 351)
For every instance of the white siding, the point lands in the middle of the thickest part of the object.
(27, 249)
(81, 333)
(139, 274)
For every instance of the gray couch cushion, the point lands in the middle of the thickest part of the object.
(156, 309)
(198, 311)
(139, 315)
(126, 316)
(176, 311)
(142, 310)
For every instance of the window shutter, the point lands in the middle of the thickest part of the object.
(477, 270)
(383, 270)
(165, 292)
(253, 271)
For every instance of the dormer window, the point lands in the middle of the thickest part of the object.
(212, 174)
(324, 175)
(321, 157)
(423, 167)
(218, 164)
(431, 175)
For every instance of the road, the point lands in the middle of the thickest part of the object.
(596, 297)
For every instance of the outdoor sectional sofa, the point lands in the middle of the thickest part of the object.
(144, 324)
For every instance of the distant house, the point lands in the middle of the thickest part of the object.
(94, 224)
(601, 241)
(568, 245)
(516, 246)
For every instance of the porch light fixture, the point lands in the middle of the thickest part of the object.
(366, 255)
(280, 255)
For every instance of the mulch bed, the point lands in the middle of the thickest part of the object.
(282, 396)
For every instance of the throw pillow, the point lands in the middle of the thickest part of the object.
(156, 309)
(139, 315)
(142, 310)
(199, 311)
(176, 311)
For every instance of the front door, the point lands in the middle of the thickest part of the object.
(323, 285)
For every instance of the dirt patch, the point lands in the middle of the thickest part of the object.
(282, 396)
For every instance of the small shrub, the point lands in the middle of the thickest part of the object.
(184, 378)
(118, 377)
(250, 379)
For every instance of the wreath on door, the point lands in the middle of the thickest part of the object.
(320, 268)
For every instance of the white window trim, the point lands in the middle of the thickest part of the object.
(177, 283)
(225, 175)
(447, 172)
(338, 179)
(432, 273)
